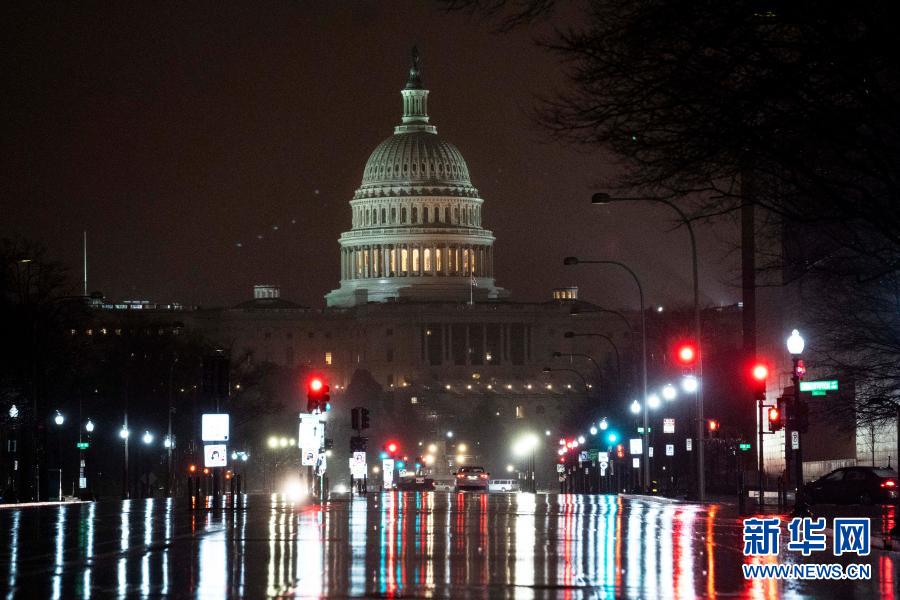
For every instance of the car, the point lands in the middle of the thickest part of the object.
(472, 478)
(442, 484)
(503, 485)
(415, 484)
(854, 485)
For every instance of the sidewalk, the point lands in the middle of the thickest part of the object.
(38, 504)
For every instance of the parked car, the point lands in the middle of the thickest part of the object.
(442, 484)
(503, 485)
(854, 485)
(472, 478)
(415, 484)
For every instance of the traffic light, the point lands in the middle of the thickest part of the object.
(317, 397)
(620, 451)
(391, 448)
(712, 426)
(759, 373)
(354, 419)
(775, 419)
(686, 354)
(364, 418)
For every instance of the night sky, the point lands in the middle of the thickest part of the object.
(175, 132)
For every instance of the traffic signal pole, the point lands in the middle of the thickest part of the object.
(759, 449)
(794, 421)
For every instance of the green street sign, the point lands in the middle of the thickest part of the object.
(744, 447)
(641, 429)
(82, 445)
(593, 453)
(829, 385)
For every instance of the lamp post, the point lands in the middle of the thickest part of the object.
(573, 260)
(795, 345)
(526, 446)
(587, 356)
(572, 334)
(603, 198)
(124, 433)
(583, 380)
(59, 419)
(13, 449)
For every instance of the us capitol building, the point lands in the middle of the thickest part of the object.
(418, 319)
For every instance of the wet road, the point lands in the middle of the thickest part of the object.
(398, 545)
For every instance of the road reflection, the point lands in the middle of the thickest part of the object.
(392, 545)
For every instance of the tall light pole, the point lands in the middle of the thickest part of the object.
(580, 376)
(603, 198)
(124, 433)
(795, 345)
(583, 355)
(572, 334)
(573, 260)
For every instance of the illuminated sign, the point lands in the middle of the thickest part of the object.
(214, 428)
(215, 455)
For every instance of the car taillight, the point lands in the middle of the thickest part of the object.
(459, 475)
(483, 475)
(888, 483)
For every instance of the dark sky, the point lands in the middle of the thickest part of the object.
(171, 132)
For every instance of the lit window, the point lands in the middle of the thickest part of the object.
(328, 358)
(404, 258)
(520, 412)
(413, 400)
(426, 259)
(437, 260)
(415, 260)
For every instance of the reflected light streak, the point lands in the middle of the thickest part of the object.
(710, 552)
(89, 550)
(13, 554)
(524, 551)
(60, 547)
(633, 566)
(651, 546)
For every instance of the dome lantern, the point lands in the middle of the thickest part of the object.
(415, 101)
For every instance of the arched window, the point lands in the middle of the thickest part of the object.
(447, 214)
(472, 263)
(393, 215)
(437, 260)
(382, 216)
(403, 215)
(404, 257)
(426, 260)
(415, 214)
(393, 262)
(415, 260)
(465, 261)
(425, 214)
(456, 213)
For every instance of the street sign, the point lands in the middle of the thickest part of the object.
(560, 468)
(215, 455)
(82, 445)
(358, 465)
(603, 469)
(668, 425)
(744, 446)
(214, 427)
(635, 446)
(828, 385)
(641, 430)
(387, 473)
(688, 444)
(603, 457)
(311, 431)
(636, 463)
(670, 449)
(604, 465)
(650, 451)
(795, 440)
(583, 456)
(308, 457)
(592, 453)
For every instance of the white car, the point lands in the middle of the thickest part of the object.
(503, 485)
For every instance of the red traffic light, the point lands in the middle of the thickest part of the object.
(686, 354)
(391, 447)
(713, 425)
(774, 415)
(315, 384)
(192, 468)
(760, 372)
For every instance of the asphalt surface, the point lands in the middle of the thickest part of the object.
(401, 545)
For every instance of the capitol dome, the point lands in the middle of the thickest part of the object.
(416, 219)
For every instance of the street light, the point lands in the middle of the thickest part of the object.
(13, 411)
(636, 407)
(574, 260)
(148, 437)
(603, 424)
(593, 430)
(669, 392)
(167, 442)
(653, 401)
(572, 334)
(690, 384)
(449, 434)
(59, 419)
(525, 445)
(795, 345)
(582, 355)
(124, 433)
(604, 198)
(89, 426)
